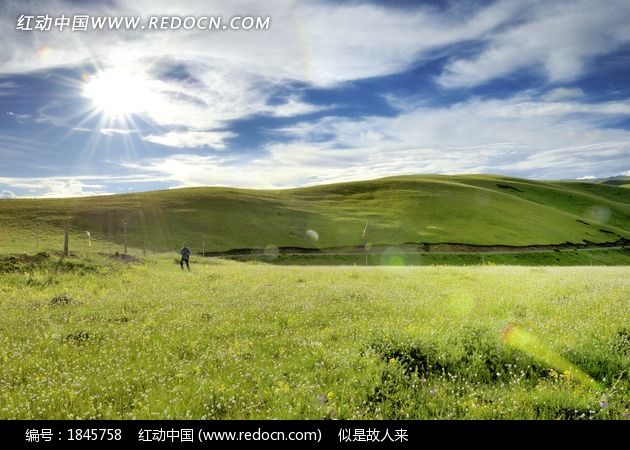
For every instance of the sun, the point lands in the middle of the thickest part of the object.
(117, 94)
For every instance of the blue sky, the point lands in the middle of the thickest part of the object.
(332, 91)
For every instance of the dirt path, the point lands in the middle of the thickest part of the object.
(440, 248)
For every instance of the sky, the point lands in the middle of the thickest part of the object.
(331, 91)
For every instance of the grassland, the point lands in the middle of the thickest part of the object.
(94, 338)
(471, 209)
(88, 336)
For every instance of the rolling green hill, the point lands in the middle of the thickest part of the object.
(621, 180)
(473, 209)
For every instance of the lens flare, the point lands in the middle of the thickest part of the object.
(312, 235)
(516, 337)
(393, 256)
(599, 214)
(43, 52)
(272, 251)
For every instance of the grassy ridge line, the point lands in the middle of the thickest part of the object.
(420, 248)
(586, 257)
(471, 209)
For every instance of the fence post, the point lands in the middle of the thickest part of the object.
(65, 240)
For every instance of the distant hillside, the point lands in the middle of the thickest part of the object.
(622, 181)
(472, 209)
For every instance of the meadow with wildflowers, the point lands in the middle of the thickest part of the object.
(94, 338)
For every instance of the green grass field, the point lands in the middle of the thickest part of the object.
(471, 209)
(95, 338)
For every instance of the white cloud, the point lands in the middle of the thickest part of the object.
(560, 37)
(54, 187)
(225, 84)
(515, 136)
(293, 106)
(224, 76)
(383, 41)
(114, 131)
(320, 43)
(525, 107)
(70, 186)
(192, 139)
(562, 93)
(18, 117)
(587, 177)
(7, 88)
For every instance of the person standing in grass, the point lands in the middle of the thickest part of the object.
(185, 252)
